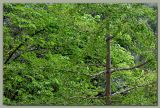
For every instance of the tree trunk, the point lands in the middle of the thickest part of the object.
(108, 72)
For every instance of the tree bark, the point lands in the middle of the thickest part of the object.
(108, 72)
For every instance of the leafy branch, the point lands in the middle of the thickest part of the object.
(20, 45)
(87, 97)
(120, 69)
(16, 49)
(97, 65)
(119, 92)
(130, 68)
(128, 89)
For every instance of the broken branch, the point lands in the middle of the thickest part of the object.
(109, 37)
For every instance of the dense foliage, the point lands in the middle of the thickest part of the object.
(51, 52)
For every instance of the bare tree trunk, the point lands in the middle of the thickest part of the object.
(108, 72)
(146, 88)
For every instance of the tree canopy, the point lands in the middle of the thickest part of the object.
(53, 53)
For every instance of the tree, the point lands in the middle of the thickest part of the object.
(60, 51)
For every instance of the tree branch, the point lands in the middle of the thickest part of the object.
(10, 56)
(19, 46)
(97, 65)
(130, 68)
(119, 92)
(87, 97)
(128, 89)
(19, 54)
(120, 69)
(97, 74)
